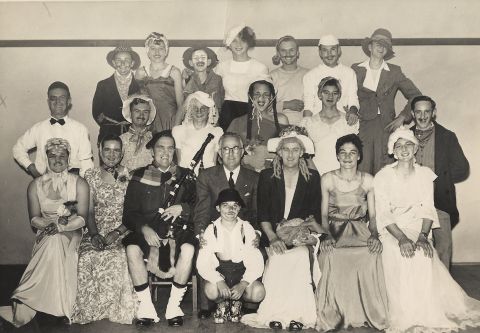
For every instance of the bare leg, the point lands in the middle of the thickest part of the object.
(183, 268)
(136, 265)
(255, 292)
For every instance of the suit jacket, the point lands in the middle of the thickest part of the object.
(383, 98)
(210, 182)
(451, 166)
(271, 198)
(107, 100)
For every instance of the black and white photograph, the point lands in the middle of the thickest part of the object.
(239, 166)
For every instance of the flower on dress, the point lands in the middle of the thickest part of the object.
(66, 210)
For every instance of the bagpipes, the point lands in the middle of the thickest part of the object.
(168, 228)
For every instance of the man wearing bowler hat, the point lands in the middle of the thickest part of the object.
(378, 84)
(111, 92)
(201, 61)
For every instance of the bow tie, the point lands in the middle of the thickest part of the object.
(60, 121)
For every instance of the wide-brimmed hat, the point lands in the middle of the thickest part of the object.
(382, 36)
(401, 133)
(292, 132)
(229, 194)
(126, 108)
(187, 56)
(124, 48)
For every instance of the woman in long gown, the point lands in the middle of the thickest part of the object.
(288, 190)
(163, 83)
(422, 296)
(57, 206)
(351, 292)
(261, 123)
(104, 286)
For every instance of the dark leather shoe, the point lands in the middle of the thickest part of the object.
(144, 322)
(175, 322)
(275, 325)
(204, 314)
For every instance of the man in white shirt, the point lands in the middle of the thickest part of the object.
(229, 261)
(330, 53)
(59, 125)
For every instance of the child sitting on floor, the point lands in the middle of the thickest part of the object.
(229, 262)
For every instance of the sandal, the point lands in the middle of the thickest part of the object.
(295, 326)
(275, 325)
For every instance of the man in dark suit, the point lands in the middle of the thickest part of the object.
(378, 84)
(440, 151)
(111, 92)
(215, 179)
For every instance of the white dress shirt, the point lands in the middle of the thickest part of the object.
(230, 244)
(235, 171)
(37, 136)
(372, 76)
(348, 81)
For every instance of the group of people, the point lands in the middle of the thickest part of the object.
(286, 207)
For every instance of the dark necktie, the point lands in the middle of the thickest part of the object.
(231, 183)
(60, 121)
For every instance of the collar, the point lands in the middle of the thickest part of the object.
(218, 223)
(235, 171)
(122, 78)
(64, 118)
(367, 65)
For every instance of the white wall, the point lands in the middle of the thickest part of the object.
(447, 73)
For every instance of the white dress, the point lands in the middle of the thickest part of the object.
(423, 297)
(324, 137)
(288, 286)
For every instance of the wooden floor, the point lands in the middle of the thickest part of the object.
(467, 276)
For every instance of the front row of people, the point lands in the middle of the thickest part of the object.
(371, 238)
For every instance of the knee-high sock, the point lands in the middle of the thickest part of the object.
(146, 309)
(176, 296)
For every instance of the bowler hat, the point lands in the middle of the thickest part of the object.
(229, 194)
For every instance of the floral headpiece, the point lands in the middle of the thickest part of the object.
(56, 144)
(292, 132)
(156, 38)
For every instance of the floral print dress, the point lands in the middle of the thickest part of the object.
(105, 290)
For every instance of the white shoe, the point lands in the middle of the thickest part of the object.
(146, 310)
(173, 307)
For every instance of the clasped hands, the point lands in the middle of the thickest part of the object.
(99, 242)
(231, 293)
(408, 247)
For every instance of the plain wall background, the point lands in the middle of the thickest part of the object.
(447, 73)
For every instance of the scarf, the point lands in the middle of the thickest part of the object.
(58, 182)
(423, 135)
(138, 137)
